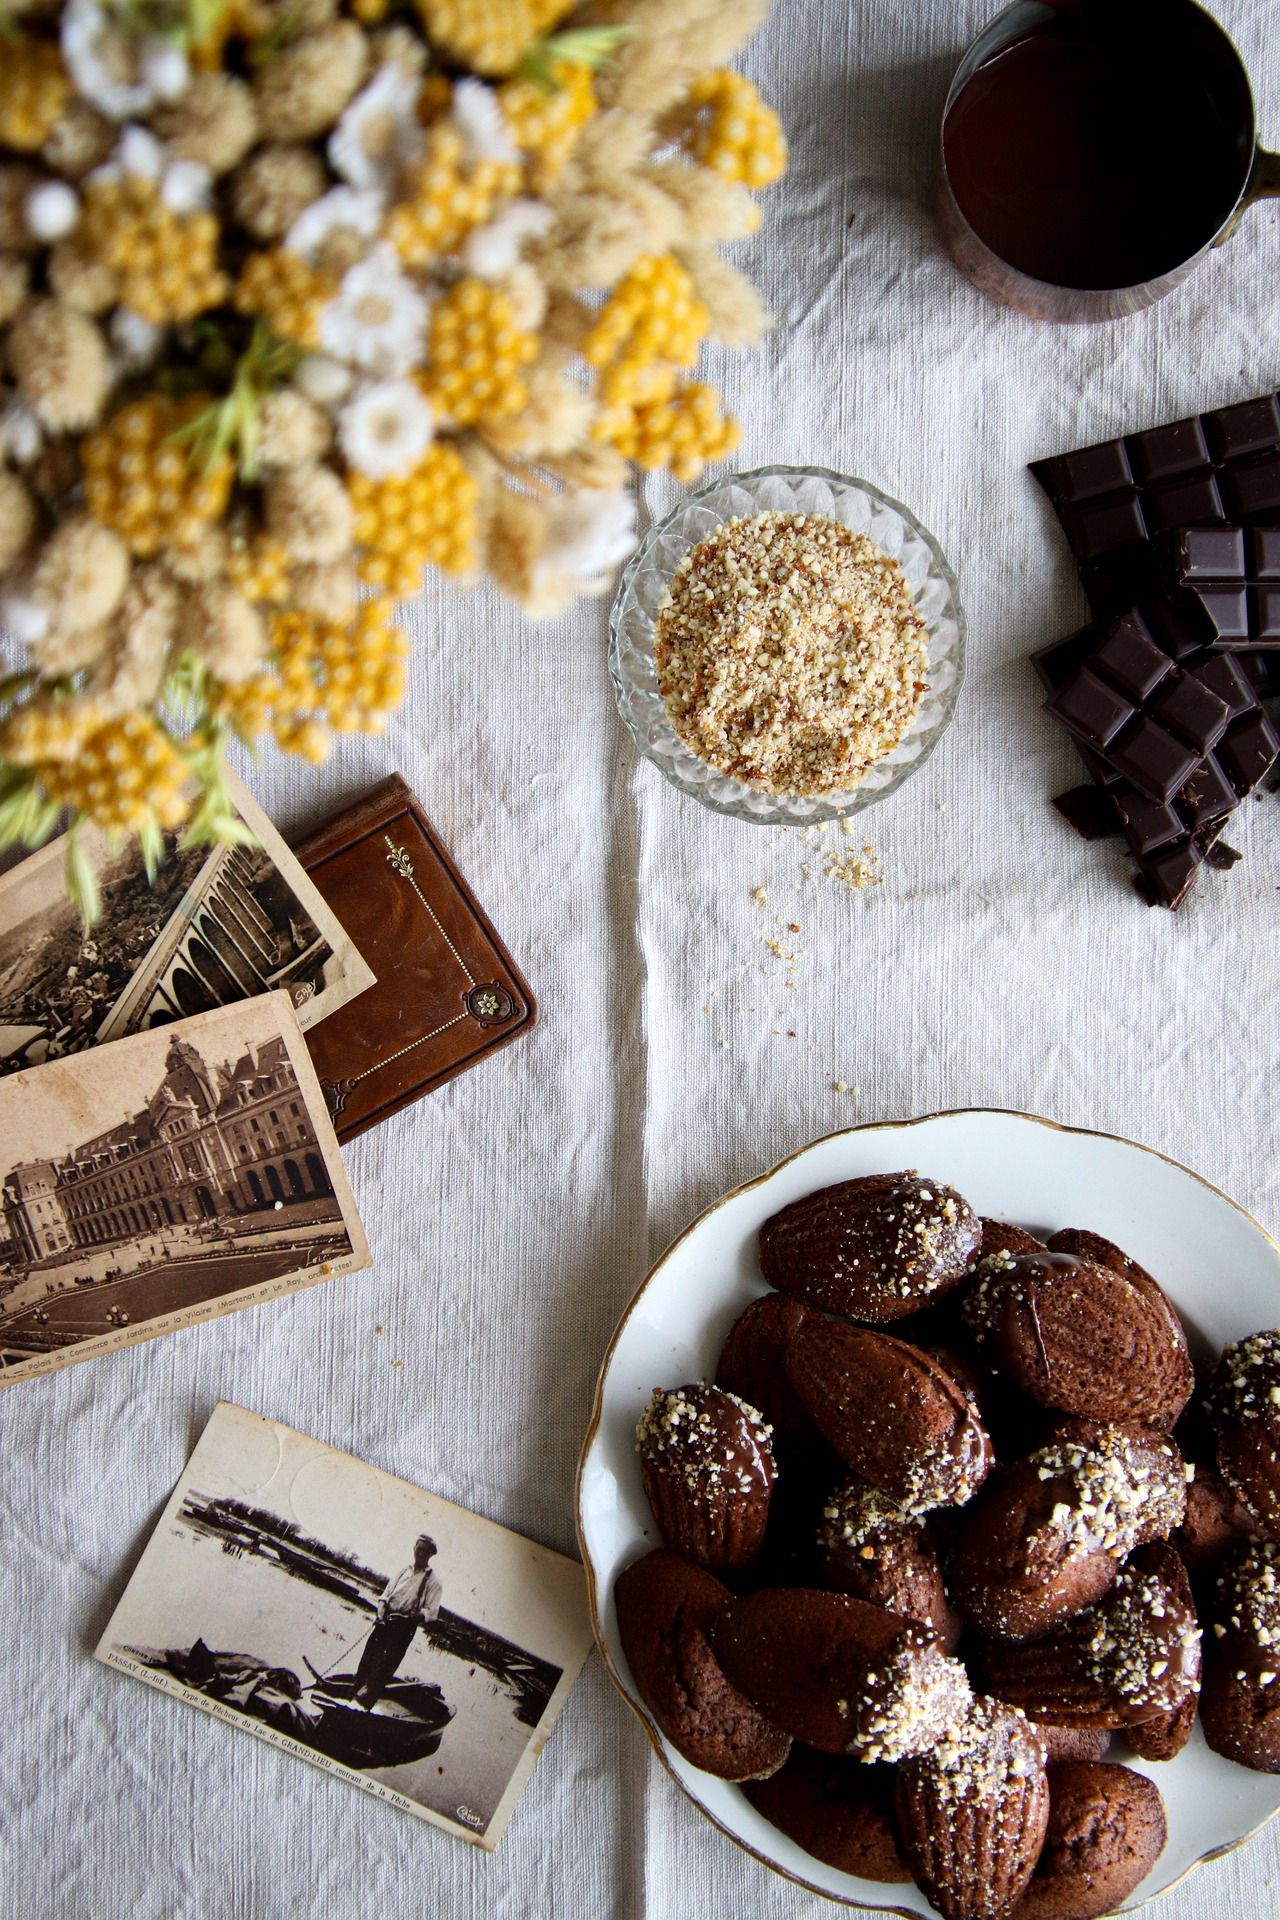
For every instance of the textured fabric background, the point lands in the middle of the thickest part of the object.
(1002, 962)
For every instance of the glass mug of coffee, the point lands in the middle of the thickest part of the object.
(1093, 151)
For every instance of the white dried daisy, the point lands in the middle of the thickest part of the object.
(490, 252)
(379, 136)
(385, 428)
(341, 210)
(186, 186)
(478, 118)
(114, 73)
(588, 535)
(376, 319)
(135, 341)
(51, 210)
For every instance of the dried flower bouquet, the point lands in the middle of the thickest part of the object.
(301, 297)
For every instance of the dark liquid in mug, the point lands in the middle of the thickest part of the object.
(1103, 148)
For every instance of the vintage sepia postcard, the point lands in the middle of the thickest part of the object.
(218, 925)
(340, 1613)
(164, 1179)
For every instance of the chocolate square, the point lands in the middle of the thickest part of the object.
(1168, 877)
(1192, 711)
(1237, 431)
(1090, 810)
(1148, 824)
(1130, 659)
(1162, 451)
(1266, 553)
(447, 993)
(1266, 617)
(1209, 553)
(1059, 663)
(1221, 673)
(1185, 503)
(1228, 611)
(1101, 526)
(1156, 762)
(1091, 708)
(1248, 752)
(1208, 793)
(1093, 470)
(1253, 490)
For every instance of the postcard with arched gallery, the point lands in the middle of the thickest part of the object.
(348, 1617)
(163, 1180)
(210, 926)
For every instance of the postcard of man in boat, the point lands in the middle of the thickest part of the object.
(210, 926)
(166, 1178)
(349, 1617)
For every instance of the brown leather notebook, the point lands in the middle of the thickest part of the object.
(447, 990)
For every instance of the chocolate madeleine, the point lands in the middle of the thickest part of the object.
(1045, 1537)
(839, 1674)
(875, 1249)
(1001, 1236)
(708, 1472)
(1074, 1743)
(1240, 1700)
(972, 1813)
(752, 1365)
(1106, 1831)
(1244, 1405)
(1133, 1657)
(665, 1607)
(872, 1548)
(895, 1417)
(1082, 1338)
(838, 1810)
(1213, 1523)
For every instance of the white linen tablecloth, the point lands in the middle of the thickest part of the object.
(1001, 962)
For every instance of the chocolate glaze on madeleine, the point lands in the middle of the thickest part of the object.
(664, 1608)
(839, 1674)
(1244, 1404)
(895, 1417)
(972, 1812)
(1081, 1338)
(1135, 1656)
(872, 1548)
(1106, 1831)
(1045, 1538)
(1240, 1699)
(838, 1810)
(708, 1472)
(875, 1249)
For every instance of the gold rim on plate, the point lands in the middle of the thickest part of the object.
(593, 1428)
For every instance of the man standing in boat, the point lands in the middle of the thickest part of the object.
(409, 1601)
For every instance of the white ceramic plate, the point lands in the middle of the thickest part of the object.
(1220, 1267)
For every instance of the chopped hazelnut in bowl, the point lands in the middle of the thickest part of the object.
(787, 645)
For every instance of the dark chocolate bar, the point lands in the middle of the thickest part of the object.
(1140, 721)
(1113, 499)
(1232, 575)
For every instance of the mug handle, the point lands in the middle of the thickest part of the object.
(1264, 181)
(1264, 184)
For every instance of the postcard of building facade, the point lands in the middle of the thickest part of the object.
(167, 1178)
